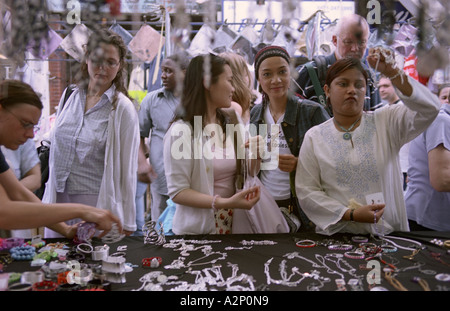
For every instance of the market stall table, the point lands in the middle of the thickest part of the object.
(274, 262)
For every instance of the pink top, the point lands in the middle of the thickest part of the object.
(224, 186)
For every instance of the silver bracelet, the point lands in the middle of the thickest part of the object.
(399, 73)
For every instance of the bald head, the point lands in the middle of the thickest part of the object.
(351, 36)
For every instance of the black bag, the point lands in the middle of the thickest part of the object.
(44, 153)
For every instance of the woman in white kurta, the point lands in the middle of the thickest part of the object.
(348, 176)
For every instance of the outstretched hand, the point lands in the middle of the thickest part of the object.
(382, 60)
(103, 219)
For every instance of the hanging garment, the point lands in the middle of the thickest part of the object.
(74, 41)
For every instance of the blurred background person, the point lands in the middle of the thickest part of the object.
(428, 194)
(155, 114)
(25, 163)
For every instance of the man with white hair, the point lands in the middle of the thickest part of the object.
(350, 39)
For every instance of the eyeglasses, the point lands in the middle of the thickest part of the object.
(360, 43)
(25, 125)
(109, 63)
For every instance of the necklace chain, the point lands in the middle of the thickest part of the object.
(347, 135)
(351, 126)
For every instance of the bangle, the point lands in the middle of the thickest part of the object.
(20, 287)
(340, 247)
(388, 249)
(44, 286)
(72, 255)
(306, 243)
(85, 248)
(152, 262)
(354, 255)
(359, 239)
(213, 203)
(352, 210)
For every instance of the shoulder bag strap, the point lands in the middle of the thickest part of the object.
(316, 83)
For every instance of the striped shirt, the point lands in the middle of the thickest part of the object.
(79, 142)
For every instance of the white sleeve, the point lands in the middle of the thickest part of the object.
(406, 122)
(324, 211)
(178, 159)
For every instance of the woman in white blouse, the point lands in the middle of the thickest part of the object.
(348, 176)
(200, 159)
(95, 140)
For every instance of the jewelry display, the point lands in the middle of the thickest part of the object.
(68, 287)
(20, 287)
(153, 236)
(356, 285)
(447, 244)
(113, 235)
(437, 256)
(388, 248)
(354, 255)
(312, 263)
(423, 283)
(393, 281)
(443, 277)
(229, 248)
(390, 238)
(340, 247)
(85, 232)
(340, 283)
(339, 261)
(114, 269)
(359, 239)
(23, 252)
(85, 248)
(287, 280)
(152, 262)
(306, 243)
(253, 242)
(100, 253)
(31, 277)
(9, 243)
(44, 286)
(36, 241)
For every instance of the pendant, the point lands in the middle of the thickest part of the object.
(347, 136)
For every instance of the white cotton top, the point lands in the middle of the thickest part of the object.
(330, 172)
(276, 181)
(187, 166)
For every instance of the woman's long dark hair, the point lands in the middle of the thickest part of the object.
(193, 101)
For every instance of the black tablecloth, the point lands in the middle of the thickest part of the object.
(262, 267)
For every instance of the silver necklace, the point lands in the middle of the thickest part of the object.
(347, 135)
